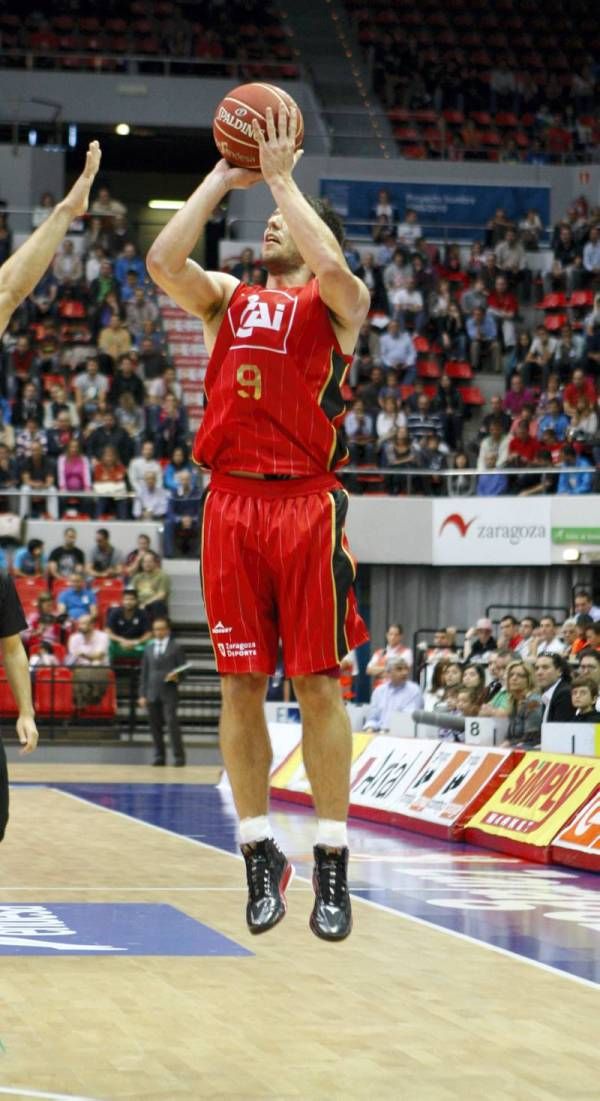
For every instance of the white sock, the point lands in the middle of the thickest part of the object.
(255, 829)
(331, 834)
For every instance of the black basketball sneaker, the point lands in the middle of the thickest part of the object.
(269, 873)
(331, 918)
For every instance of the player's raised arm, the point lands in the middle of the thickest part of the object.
(346, 296)
(200, 292)
(21, 272)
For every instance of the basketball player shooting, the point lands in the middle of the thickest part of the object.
(274, 558)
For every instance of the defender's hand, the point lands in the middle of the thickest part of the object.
(76, 201)
(27, 733)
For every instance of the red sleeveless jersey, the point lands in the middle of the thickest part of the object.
(273, 402)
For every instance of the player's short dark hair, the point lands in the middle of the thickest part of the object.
(329, 216)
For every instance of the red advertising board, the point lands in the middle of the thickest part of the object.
(578, 844)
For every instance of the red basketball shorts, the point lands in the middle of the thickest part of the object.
(275, 565)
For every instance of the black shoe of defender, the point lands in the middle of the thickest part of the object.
(269, 874)
(331, 918)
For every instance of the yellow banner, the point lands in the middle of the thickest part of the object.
(538, 797)
(291, 774)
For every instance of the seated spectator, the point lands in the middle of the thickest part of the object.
(398, 693)
(383, 212)
(572, 484)
(391, 389)
(540, 482)
(409, 231)
(496, 413)
(182, 522)
(151, 500)
(548, 641)
(37, 485)
(568, 636)
(522, 452)
(170, 427)
(407, 304)
(423, 422)
(479, 641)
(370, 391)
(138, 310)
(43, 297)
(525, 707)
(127, 381)
(517, 397)
(103, 285)
(591, 256)
(496, 695)
(360, 434)
(109, 434)
(388, 420)
(530, 228)
(517, 360)
(152, 586)
(474, 297)
(503, 307)
(64, 558)
(529, 630)
(67, 267)
(579, 387)
(74, 476)
(127, 627)
(398, 454)
(512, 262)
(553, 391)
(88, 650)
(395, 647)
(166, 384)
(130, 418)
(554, 419)
(79, 599)
(114, 339)
(450, 407)
(179, 464)
(467, 704)
(483, 337)
(371, 275)
(27, 407)
(104, 204)
(90, 387)
(43, 624)
(566, 264)
(30, 560)
(29, 437)
(109, 479)
(44, 656)
(473, 678)
(105, 559)
(583, 605)
(583, 629)
(552, 678)
(151, 358)
(398, 351)
(128, 262)
(133, 560)
(493, 483)
(584, 422)
(7, 433)
(143, 464)
(60, 435)
(493, 446)
(433, 459)
(461, 484)
(584, 698)
(568, 353)
(452, 333)
(451, 682)
(589, 664)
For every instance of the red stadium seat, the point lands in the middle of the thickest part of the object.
(472, 395)
(459, 369)
(553, 322)
(556, 301)
(53, 692)
(581, 299)
(107, 707)
(108, 593)
(8, 709)
(421, 343)
(30, 587)
(428, 368)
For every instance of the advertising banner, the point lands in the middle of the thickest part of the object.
(448, 790)
(462, 209)
(290, 782)
(578, 844)
(536, 800)
(384, 771)
(491, 531)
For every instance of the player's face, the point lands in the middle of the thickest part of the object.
(279, 252)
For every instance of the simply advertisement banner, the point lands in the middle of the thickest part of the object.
(491, 531)
(460, 209)
(534, 803)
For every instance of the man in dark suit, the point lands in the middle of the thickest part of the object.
(552, 677)
(158, 690)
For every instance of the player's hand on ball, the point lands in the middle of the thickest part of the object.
(236, 179)
(278, 154)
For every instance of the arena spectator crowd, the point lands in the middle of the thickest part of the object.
(526, 671)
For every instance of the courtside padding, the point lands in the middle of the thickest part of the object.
(539, 806)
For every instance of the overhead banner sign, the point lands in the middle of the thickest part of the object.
(461, 210)
(578, 844)
(534, 803)
(491, 531)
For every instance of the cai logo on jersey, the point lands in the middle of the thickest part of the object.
(265, 321)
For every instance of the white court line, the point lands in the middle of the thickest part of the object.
(367, 902)
(14, 1092)
(127, 890)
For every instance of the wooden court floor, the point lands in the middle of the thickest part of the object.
(400, 1010)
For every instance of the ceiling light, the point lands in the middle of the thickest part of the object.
(571, 554)
(122, 129)
(166, 204)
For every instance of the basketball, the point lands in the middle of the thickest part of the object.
(232, 124)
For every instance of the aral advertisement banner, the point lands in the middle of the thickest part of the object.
(386, 769)
(578, 844)
(453, 783)
(534, 803)
(463, 209)
(491, 531)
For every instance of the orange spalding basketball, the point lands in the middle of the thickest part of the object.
(232, 124)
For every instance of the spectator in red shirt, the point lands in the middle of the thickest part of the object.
(578, 387)
(504, 307)
(523, 447)
(509, 637)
